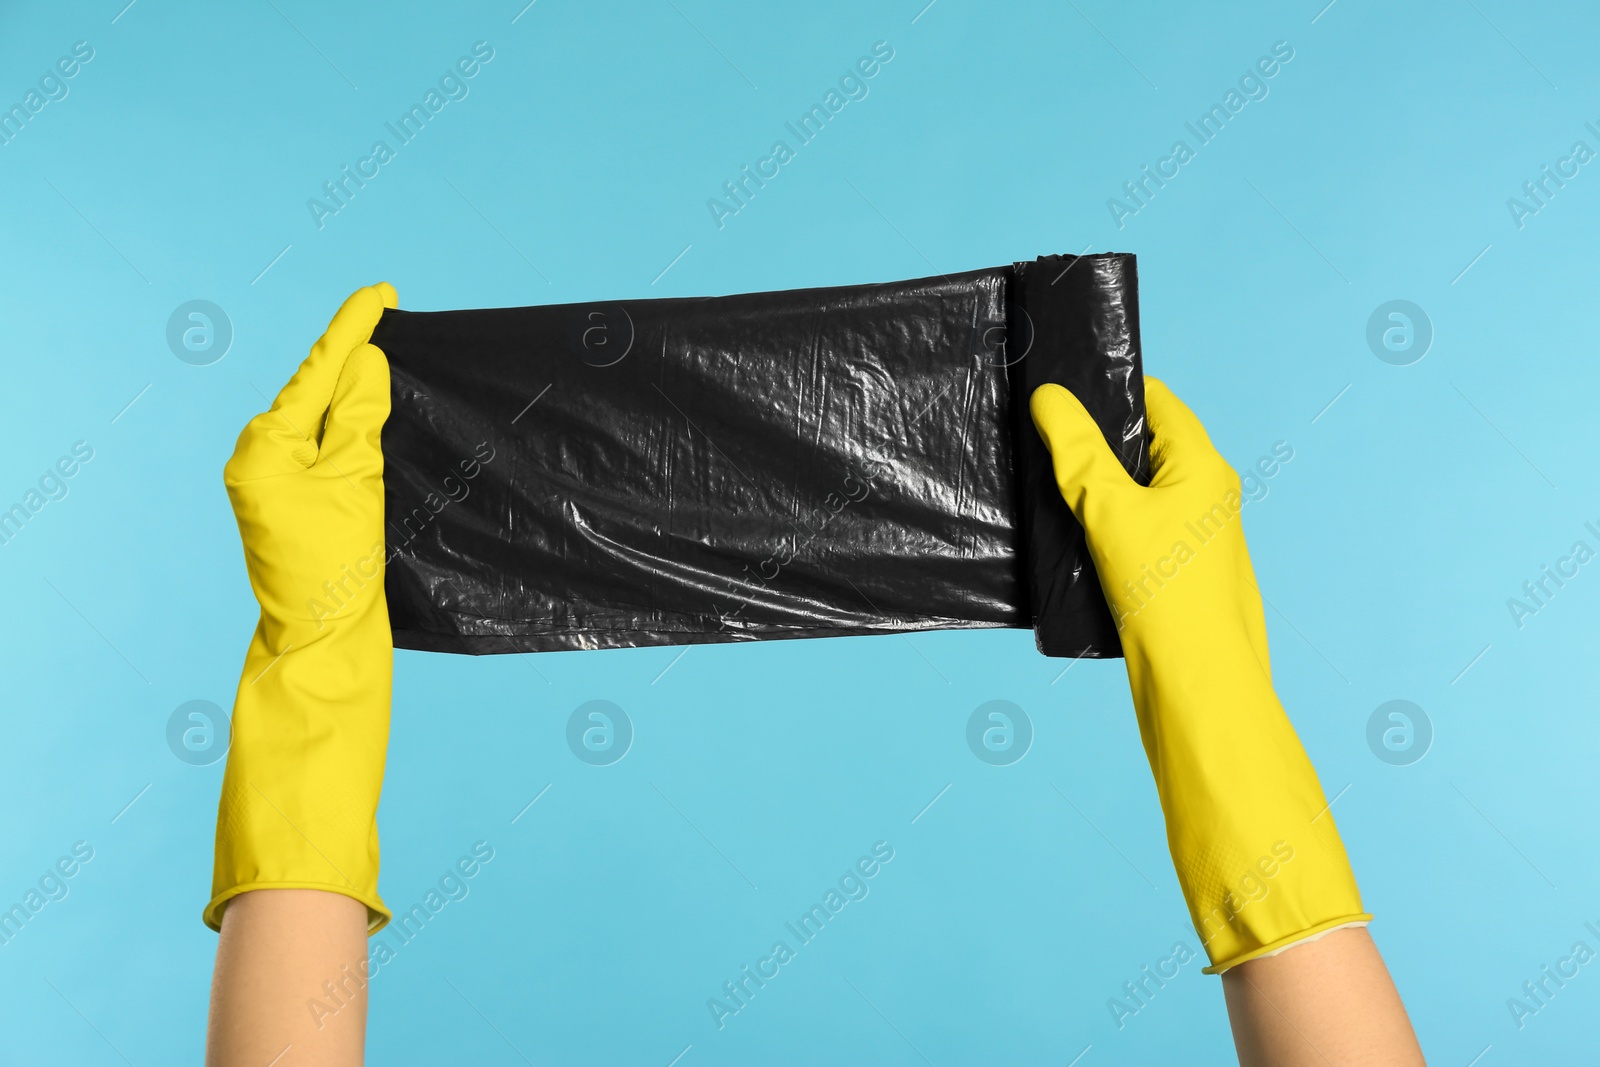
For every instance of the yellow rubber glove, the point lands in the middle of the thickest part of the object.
(1256, 851)
(311, 719)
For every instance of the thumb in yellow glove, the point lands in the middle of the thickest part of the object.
(311, 718)
(1257, 854)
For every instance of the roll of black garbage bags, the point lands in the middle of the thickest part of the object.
(810, 463)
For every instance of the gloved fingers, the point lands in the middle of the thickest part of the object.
(284, 438)
(303, 402)
(267, 446)
(1179, 444)
(1083, 461)
(351, 442)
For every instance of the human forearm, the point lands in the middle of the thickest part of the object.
(289, 979)
(1327, 1001)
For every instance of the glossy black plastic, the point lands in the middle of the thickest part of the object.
(808, 463)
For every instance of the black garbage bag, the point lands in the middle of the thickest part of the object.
(811, 463)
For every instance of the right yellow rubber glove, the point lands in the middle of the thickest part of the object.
(311, 719)
(1256, 851)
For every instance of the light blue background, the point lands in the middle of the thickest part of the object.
(1377, 168)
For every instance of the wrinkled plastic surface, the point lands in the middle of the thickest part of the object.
(807, 463)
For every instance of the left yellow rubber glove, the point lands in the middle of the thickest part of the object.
(311, 718)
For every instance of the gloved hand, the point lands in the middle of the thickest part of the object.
(311, 718)
(1255, 847)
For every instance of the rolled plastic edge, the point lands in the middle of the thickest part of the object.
(1078, 318)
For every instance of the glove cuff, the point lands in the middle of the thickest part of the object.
(1283, 944)
(378, 913)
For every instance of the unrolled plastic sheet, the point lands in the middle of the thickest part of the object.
(810, 463)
